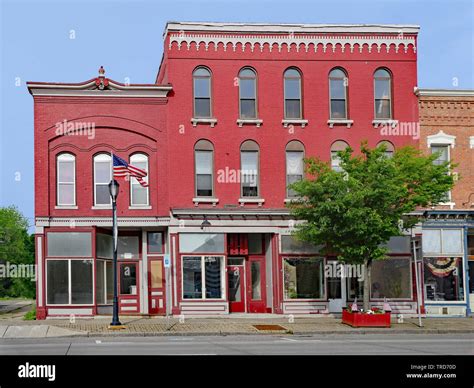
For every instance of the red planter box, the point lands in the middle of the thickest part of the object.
(366, 320)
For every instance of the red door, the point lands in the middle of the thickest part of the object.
(156, 286)
(128, 287)
(256, 285)
(236, 283)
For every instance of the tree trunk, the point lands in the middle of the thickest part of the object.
(367, 282)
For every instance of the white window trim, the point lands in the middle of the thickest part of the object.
(441, 252)
(104, 263)
(348, 123)
(96, 159)
(346, 118)
(301, 122)
(195, 121)
(210, 92)
(203, 198)
(69, 283)
(300, 96)
(66, 157)
(241, 120)
(133, 181)
(256, 122)
(286, 171)
(203, 279)
(386, 119)
(441, 139)
(242, 197)
(471, 142)
(449, 146)
(212, 200)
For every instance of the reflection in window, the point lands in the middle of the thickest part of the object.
(338, 94)
(139, 193)
(303, 278)
(443, 278)
(383, 93)
(294, 165)
(256, 277)
(128, 247)
(249, 169)
(391, 278)
(292, 85)
(203, 158)
(66, 179)
(212, 265)
(102, 178)
(202, 92)
(155, 242)
(248, 94)
(104, 282)
(199, 270)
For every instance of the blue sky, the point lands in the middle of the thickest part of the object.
(126, 38)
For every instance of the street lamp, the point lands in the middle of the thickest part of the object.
(114, 191)
(205, 225)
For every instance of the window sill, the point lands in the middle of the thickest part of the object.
(259, 201)
(346, 122)
(290, 200)
(137, 207)
(68, 207)
(195, 121)
(301, 122)
(106, 207)
(450, 204)
(256, 122)
(198, 200)
(383, 122)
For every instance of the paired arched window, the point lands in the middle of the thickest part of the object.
(294, 165)
(337, 146)
(202, 93)
(139, 195)
(389, 148)
(338, 94)
(293, 96)
(66, 179)
(383, 94)
(249, 169)
(247, 93)
(102, 178)
(204, 168)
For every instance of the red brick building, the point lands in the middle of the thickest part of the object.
(447, 127)
(234, 109)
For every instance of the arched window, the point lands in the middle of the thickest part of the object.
(204, 168)
(102, 178)
(335, 159)
(66, 180)
(389, 148)
(139, 195)
(338, 94)
(294, 165)
(249, 169)
(383, 94)
(293, 98)
(202, 93)
(248, 93)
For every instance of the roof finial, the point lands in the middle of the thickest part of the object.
(102, 72)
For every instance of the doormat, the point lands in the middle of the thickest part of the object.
(269, 328)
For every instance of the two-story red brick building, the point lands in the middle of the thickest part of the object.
(222, 132)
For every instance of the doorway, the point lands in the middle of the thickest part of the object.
(129, 298)
(336, 289)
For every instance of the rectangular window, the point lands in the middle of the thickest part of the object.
(290, 244)
(294, 170)
(249, 173)
(303, 278)
(128, 247)
(69, 282)
(139, 193)
(104, 246)
(442, 158)
(104, 290)
(292, 98)
(443, 278)
(247, 99)
(204, 173)
(391, 278)
(201, 243)
(69, 244)
(128, 279)
(102, 177)
(255, 243)
(66, 181)
(203, 277)
(155, 242)
(202, 97)
(443, 242)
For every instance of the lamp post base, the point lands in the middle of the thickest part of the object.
(116, 327)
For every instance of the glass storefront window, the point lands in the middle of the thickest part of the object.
(290, 244)
(443, 278)
(105, 246)
(213, 277)
(201, 243)
(81, 282)
(57, 281)
(192, 278)
(104, 282)
(202, 272)
(303, 278)
(391, 278)
(69, 244)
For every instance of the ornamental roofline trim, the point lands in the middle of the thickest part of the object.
(444, 92)
(272, 28)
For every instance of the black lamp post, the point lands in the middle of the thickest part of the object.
(114, 190)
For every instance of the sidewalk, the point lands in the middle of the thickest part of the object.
(140, 326)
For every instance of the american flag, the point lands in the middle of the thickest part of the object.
(123, 169)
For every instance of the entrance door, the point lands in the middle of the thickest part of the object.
(236, 282)
(336, 291)
(156, 286)
(129, 298)
(256, 285)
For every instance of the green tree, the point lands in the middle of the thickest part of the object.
(353, 213)
(16, 247)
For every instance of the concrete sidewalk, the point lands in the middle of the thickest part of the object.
(161, 326)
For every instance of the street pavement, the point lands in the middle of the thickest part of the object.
(340, 344)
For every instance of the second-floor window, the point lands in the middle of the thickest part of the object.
(389, 148)
(336, 147)
(204, 161)
(102, 177)
(338, 94)
(382, 94)
(248, 94)
(443, 157)
(139, 195)
(202, 93)
(249, 168)
(294, 166)
(292, 86)
(66, 180)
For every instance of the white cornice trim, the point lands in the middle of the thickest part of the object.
(289, 28)
(101, 221)
(471, 142)
(441, 138)
(445, 92)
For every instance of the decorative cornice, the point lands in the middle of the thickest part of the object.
(441, 138)
(445, 92)
(290, 40)
(101, 221)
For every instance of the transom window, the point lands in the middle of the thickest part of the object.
(203, 159)
(383, 94)
(292, 86)
(139, 195)
(102, 177)
(66, 180)
(248, 94)
(202, 92)
(338, 94)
